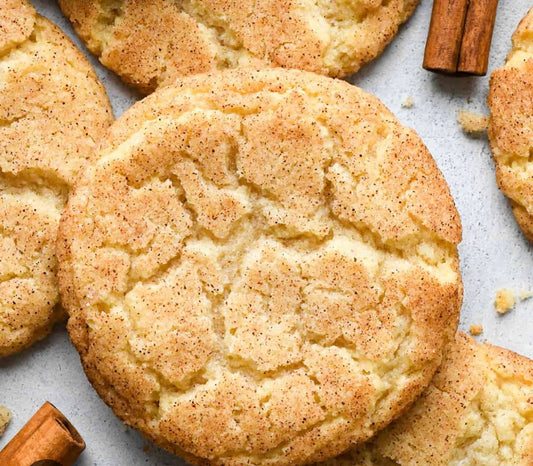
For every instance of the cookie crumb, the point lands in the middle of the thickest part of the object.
(476, 330)
(525, 295)
(408, 102)
(472, 123)
(5, 417)
(505, 301)
(146, 448)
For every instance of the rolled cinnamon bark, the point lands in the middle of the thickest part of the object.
(47, 437)
(477, 37)
(445, 35)
(459, 36)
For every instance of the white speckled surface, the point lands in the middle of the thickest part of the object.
(494, 253)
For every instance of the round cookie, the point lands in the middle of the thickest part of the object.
(52, 108)
(152, 43)
(511, 125)
(477, 410)
(261, 268)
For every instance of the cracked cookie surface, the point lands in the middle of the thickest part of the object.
(152, 43)
(51, 110)
(261, 268)
(478, 410)
(511, 125)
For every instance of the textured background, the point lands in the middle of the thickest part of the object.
(494, 254)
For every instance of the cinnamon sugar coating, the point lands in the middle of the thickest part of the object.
(260, 268)
(153, 42)
(52, 108)
(511, 125)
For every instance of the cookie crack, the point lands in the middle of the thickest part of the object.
(164, 268)
(110, 12)
(220, 28)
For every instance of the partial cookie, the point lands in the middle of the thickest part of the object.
(152, 43)
(52, 109)
(5, 418)
(261, 268)
(511, 125)
(478, 410)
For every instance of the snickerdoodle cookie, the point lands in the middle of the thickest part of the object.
(52, 108)
(478, 410)
(511, 125)
(261, 268)
(152, 42)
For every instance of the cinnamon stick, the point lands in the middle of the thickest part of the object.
(477, 37)
(445, 35)
(459, 38)
(47, 436)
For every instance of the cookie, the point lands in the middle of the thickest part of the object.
(511, 125)
(477, 410)
(261, 268)
(52, 109)
(152, 43)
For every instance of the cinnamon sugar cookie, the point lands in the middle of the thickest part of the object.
(153, 42)
(478, 410)
(52, 108)
(511, 125)
(261, 268)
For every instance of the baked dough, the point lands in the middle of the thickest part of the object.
(52, 108)
(478, 410)
(511, 125)
(153, 42)
(261, 268)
